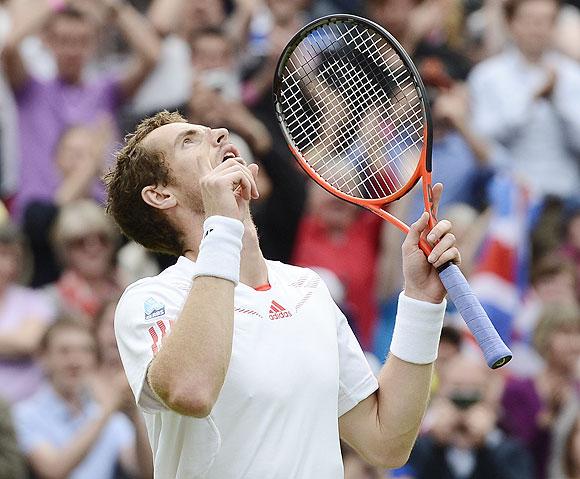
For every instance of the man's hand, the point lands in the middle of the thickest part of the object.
(421, 278)
(227, 189)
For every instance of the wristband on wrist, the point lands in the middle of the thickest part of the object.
(56, 5)
(220, 249)
(417, 330)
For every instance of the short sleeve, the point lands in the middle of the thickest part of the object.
(357, 381)
(143, 318)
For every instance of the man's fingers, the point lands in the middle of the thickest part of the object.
(254, 170)
(414, 234)
(451, 254)
(436, 193)
(446, 243)
(439, 230)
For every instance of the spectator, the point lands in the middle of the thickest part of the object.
(572, 452)
(47, 108)
(110, 369)
(522, 99)
(553, 282)
(85, 241)
(465, 161)
(532, 405)
(462, 440)
(24, 316)
(12, 465)
(72, 427)
(570, 246)
(80, 157)
(8, 119)
(215, 99)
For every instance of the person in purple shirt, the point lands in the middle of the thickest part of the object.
(46, 109)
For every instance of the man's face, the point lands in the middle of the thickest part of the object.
(191, 152)
(69, 358)
(532, 26)
(72, 41)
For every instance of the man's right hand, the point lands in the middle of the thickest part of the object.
(227, 189)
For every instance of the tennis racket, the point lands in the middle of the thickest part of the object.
(355, 114)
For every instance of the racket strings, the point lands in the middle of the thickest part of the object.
(353, 111)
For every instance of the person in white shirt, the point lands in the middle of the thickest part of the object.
(527, 98)
(245, 367)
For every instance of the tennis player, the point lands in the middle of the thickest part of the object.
(245, 367)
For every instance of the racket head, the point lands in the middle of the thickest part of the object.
(354, 111)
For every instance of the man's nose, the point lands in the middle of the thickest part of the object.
(219, 136)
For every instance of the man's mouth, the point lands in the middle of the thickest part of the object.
(230, 151)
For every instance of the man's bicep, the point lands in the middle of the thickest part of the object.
(356, 425)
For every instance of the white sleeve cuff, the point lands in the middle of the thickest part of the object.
(417, 330)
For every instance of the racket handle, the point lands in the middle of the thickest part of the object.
(494, 349)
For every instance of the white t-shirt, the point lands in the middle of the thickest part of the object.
(295, 368)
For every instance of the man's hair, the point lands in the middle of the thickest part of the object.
(510, 7)
(137, 167)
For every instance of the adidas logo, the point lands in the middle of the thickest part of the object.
(278, 311)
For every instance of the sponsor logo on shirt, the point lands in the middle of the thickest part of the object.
(277, 311)
(153, 309)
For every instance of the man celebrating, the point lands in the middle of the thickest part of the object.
(245, 367)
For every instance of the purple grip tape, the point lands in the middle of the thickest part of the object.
(495, 351)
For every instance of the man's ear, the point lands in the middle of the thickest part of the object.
(159, 197)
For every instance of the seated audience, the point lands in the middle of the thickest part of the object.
(73, 426)
(462, 439)
(532, 405)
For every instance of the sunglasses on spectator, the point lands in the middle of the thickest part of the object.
(85, 240)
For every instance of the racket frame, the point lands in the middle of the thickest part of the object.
(424, 166)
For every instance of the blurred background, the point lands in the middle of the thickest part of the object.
(504, 84)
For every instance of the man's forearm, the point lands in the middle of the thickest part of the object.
(402, 399)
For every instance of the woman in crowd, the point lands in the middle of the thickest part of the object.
(533, 405)
(85, 241)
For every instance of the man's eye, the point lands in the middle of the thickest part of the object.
(187, 140)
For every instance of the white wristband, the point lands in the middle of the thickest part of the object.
(417, 330)
(220, 249)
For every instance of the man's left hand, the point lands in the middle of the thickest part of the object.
(421, 278)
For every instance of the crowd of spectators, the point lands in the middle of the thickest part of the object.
(504, 83)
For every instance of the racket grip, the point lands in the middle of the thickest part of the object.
(495, 351)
